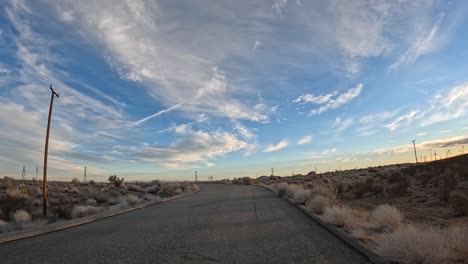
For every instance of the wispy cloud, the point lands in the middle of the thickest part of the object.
(304, 140)
(432, 144)
(271, 148)
(342, 124)
(338, 101)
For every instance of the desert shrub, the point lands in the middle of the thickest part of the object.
(21, 216)
(339, 187)
(5, 226)
(386, 217)
(133, 199)
(459, 202)
(91, 201)
(410, 244)
(99, 197)
(359, 188)
(394, 177)
(7, 182)
(291, 190)
(411, 170)
(84, 210)
(339, 215)
(62, 211)
(92, 182)
(116, 180)
(75, 180)
(134, 188)
(318, 204)
(168, 191)
(456, 239)
(301, 196)
(17, 192)
(155, 189)
(400, 187)
(280, 188)
(448, 183)
(36, 202)
(378, 188)
(11, 204)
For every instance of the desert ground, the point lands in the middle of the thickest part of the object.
(409, 213)
(21, 200)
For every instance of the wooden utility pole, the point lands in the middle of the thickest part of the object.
(44, 180)
(415, 155)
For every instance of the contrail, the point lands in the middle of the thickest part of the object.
(155, 115)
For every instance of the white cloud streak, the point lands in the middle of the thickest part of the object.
(281, 145)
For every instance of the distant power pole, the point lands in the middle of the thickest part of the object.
(85, 179)
(435, 155)
(23, 173)
(415, 155)
(430, 151)
(463, 149)
(44, 182)
(37, 172)
(272, 172)
(196, 176)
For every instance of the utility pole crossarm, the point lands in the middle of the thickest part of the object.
(53, 92)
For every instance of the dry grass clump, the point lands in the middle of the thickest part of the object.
(280, 188)
(301, 196)
(456, 239)
(133, 199)
(386, 217)
(134, 188)
(21, 216)
(318, 204)
(410, 244)
(5, 226)
(339, 215)
(84, 210)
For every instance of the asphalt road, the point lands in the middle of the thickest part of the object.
(220, 224)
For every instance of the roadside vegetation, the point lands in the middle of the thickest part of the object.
(405, 213)
(21, 201)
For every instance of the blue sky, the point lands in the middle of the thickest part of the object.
(159, 89)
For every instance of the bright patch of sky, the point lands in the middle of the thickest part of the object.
(159, 89)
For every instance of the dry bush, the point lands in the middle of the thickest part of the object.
(91, 202)
(400, 187)
(21, 216)
(84, 210)
(155, 189)
(410, 244)
(5, 226)
(339, 215)
(386, 217)
(447, 184)
(280, 188)
(359, 188)
(7, 183)
(118, 206)
(301, 196)
(133, 199)
(318, 204)
(378, 188)
(456, 240)
(459, 202)
(99, 197)
(134, 188)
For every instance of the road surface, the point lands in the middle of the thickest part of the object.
(220, 224)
